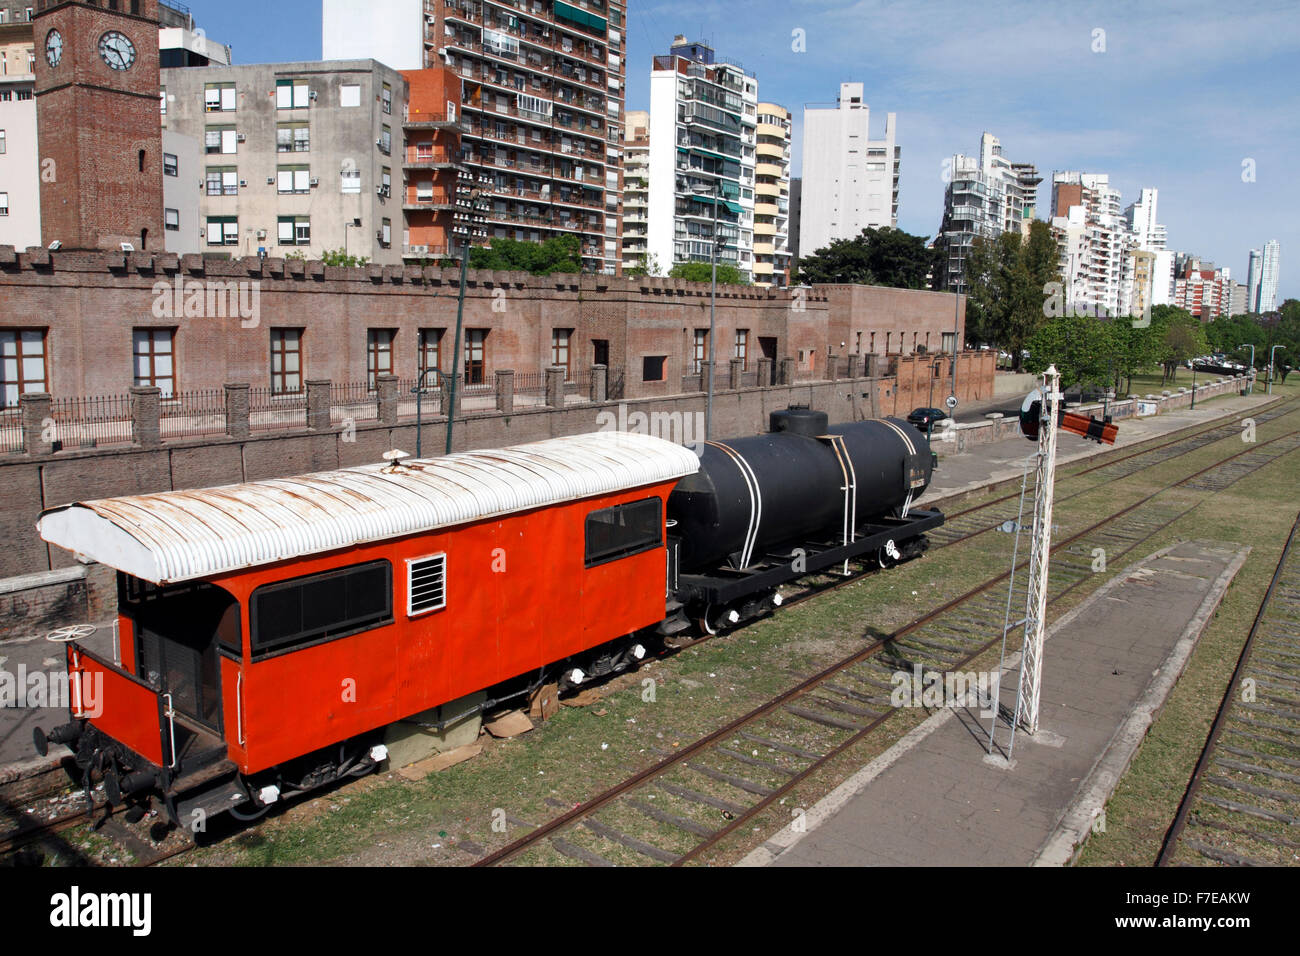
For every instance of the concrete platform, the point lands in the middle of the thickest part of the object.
(938, 799)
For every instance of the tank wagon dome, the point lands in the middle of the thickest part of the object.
(177, 536)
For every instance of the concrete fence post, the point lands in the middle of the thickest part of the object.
(238, 424)
(318, 404)
(387, 387)
(505, 389)
(706, 375)
(736, 371)
(787, 371)
(146, 416)
(855, 366)
(36, 408)
(555, 386)
(833, 368)
(873, 365)
(599, 383)
(764, 371)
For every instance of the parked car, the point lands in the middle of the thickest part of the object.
(926, 418)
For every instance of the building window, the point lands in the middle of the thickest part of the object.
(23, 369)
(294, 230)
(292, 94)
(3, 145)
(701, 354)
(350, 180)
(286, 361)
(349, 94)
(386, 98)
(560, 350)
(4, 204)
(171, 166)
(386, 233)
(223, 181)
(162, 100)
(172, 220)
(475, 356)
(293, 179)
(652, 368)
(220, 139)
(219, 97)
(155, 366)
(431, 353)
(379, 354)
(386, 140)
(386, 181)
(223, 231)
(742, 348)
(949, 342)
(292, 138)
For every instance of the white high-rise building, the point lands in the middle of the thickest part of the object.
(1091, 239)
(984, 198)
(703, 121)
(850, 181)
(772, 197)
(1148, 235)
(1268, 276)
(636, 191)
(1252, 279)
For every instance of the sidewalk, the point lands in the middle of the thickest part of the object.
(937, 798)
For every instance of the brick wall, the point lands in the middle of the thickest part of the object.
(90, 302)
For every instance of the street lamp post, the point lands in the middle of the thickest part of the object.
(713, 304)
(1272, 365)
(1193, 385)
(419, 408)
(1251, 346)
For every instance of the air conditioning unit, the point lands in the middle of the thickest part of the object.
(315, 182)
(311, 94)
(261, 234)
(241, 137)
(243, 184)
(270, 180)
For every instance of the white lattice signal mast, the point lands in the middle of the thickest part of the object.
(1031, 668)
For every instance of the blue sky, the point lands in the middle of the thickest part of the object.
(1182, 94)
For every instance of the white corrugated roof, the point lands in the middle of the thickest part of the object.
(183, 535)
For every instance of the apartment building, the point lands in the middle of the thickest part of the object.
(850, 181)
(1091, 241)
(986, 196)
(1266, 296)
(772, 197)
(636, 190)
(1140, 217)
(542, 94)
(301, 157)
(20, 204)
(703, 122)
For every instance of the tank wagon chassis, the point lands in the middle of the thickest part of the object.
(243, 610)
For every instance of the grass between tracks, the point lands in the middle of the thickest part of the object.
(387, 820)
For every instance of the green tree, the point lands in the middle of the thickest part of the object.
(559, 254)
(885, 256)
(1079, 346)
(1181, 337)
(1007, 280)
(647, 265)
(337, 257)
(703, 272)
(1131, 350)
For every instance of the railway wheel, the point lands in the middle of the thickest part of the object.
(888, 555)
(717, 618)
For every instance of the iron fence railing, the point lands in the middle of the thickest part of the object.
(193, 414)
(268, 409)
(353, 401)
(11, 430)
(91, 421)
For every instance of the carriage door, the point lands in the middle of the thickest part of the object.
(177, 630)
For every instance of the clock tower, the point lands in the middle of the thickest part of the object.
(98, 125)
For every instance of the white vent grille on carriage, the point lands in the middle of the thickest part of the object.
(427, 578)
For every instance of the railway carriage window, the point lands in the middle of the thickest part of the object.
(320, 607)
(426, 584)
(624, 530)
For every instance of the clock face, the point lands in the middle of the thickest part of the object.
(117, 50)
(53, 47)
